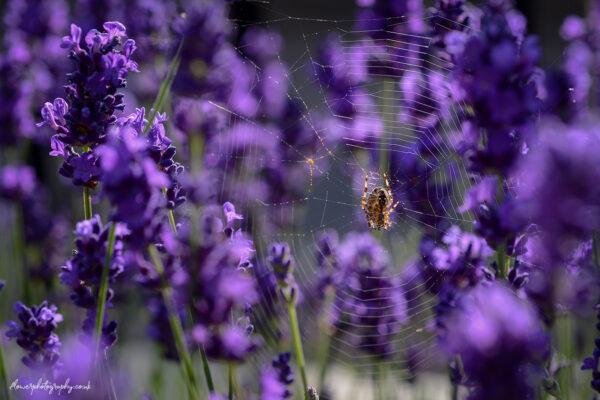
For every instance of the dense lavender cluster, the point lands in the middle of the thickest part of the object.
(83, 273)
(274, 381)
(35, 334)
(495, 69)
(493, 330)
(213, 273)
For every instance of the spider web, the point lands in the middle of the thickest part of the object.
(331, 171)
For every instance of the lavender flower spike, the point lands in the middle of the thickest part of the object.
(36, 335)
(282, 263)
(83, 273)
(102, 63)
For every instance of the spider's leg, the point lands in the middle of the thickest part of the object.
(364, 198)
(389, 211)
(389, 190)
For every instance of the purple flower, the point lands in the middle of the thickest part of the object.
(208, 21)
(29, 62)
(591, 363)
(368, 305)
(327, 260)
(388, 19)
(198, 117)
(209, 277)
(493, 77)
(342, 70)
(573, 27)
(232, 344)
(102, 63)
(493, 330)
(566, 174)
(450, 22)
(459, 261)
(133, 183)
(159, 148)
(282, 263)
(83, 272)
(271, 387)
(494, 220)
(17, 182)
(36, 336)
(282, 366)
(84, 169)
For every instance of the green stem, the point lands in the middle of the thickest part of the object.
(565, 343)
(207, 374)
(103, 292)
(501, 260)
(172, 221)
(20, 253)
(171, 215)
(165, 86)
(324, 344)
(196, 149)
(87, 197)
(3, 376)
(454, 391)
(382, 381)
(325, 336)
(376, 387)
(230, 370)
(291, 308)
(87, 203)
(176, 327)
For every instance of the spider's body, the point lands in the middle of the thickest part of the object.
(378, 205)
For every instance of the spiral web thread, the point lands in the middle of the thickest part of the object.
(334, 177)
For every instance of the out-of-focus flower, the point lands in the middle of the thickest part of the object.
(385, 19)
(493, 330)
(342, 70)
(459, 261)
(492, 218)
(271, 387)
(36, 336)
(17, 182)
(133, 184)
(367, 304)
(282, 366)
(493, 76)
(83, 273)
(159, 148)
(207, 20)
(312, 393)
(30, 60)
(211, 270)
(451, 22)
(566, 174)
(198, 117)
(327, 260)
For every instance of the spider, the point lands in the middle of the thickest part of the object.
(378, 205)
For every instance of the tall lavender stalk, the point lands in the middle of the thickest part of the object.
(281, 261)
(176, 328)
